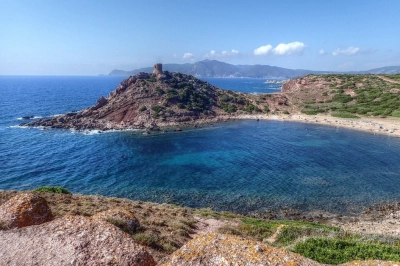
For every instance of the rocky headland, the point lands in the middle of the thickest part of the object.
(163, 99)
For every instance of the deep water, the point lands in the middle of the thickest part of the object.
(243, 166)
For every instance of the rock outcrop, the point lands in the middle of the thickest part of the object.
(220, 249)
(123, 218)
(25, 209)
(71, 240)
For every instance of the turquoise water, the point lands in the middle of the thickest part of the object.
(244, 166)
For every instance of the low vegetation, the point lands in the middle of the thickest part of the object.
(164, 228)
(52, 189)
(349, 96)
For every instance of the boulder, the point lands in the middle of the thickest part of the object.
(71, 240)
(122, 218)
(24, 209)
(221, 249)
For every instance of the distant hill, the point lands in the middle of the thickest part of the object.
(214, 68)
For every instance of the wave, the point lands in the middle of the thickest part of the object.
(29, 117)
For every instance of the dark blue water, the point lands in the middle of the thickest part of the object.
(246, 166)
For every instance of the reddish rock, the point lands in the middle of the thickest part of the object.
(71, 240)
(219, 249)
(125, 219)
(25, 209)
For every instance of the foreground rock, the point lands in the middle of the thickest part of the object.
(220, 249)
(72, 240)
(122, 218)
(25, 209)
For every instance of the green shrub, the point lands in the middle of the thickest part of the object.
(142, 108)
(229, 108)
(160, 91)
(342, 98)
(336, 251)
(344, 115)
(396, 113)
(180, 106)
(52, 189)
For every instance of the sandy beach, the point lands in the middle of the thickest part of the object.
(388, 126)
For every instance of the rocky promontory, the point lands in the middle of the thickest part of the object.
(162, 99)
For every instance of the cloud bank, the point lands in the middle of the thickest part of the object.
(281, 49)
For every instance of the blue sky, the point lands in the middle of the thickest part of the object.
(88, 37)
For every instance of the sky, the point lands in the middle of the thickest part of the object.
(91, 37)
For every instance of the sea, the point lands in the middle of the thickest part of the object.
(248, 166)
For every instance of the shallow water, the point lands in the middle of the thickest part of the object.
(243, 166)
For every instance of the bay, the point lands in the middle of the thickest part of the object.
(243, 166)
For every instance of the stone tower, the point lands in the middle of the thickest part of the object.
(157, 69)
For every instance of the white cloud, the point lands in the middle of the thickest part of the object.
(263, 50)
(281, 49)
(224, 54)
(348, 51)
(289, 48)
(188, 56)
(322, 52)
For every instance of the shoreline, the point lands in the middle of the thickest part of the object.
(374, 125)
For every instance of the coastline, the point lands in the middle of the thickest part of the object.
(374, 125)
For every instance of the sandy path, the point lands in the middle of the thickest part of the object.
(389, 80)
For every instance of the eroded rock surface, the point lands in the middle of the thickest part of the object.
(25, 209)
(220, 249)
(72, 240)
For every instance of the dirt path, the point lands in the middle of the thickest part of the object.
(389, 80)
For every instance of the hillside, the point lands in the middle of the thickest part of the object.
(347, 96)
(214, 68)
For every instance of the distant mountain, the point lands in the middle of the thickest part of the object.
(383, 70)
(214, 68)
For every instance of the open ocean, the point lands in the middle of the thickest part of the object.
(244, 166)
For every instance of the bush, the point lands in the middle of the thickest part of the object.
(344, 115)
(396, 113)
(142, 108)
(52, 189)
(160, 91)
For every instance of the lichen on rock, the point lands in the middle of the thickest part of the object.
(24, 209)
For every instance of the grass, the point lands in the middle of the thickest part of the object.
(335, 251)
(52, 189)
